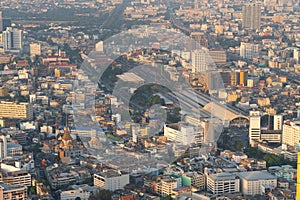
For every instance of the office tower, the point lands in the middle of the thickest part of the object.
(254, 126)
(12, 40)
(249, 50)
(277, 122)
(35, 49)
(3, 147)
(251, 16)
(200, 60)
(291, 133)
(13, 110)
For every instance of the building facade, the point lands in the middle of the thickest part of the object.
(13, 110)
(221, 183)
(111, 180)
(251, 16)
(252, 182)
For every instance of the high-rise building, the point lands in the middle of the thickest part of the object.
(254, 126)
(12, 40)
(35, 49)
(249, 50)
(200, 61)
(13, 110)
(291, 133)
(1, 22)
(251, 16)
(277, 122)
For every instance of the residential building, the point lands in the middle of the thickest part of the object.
(75, 194)
(249, 50)
(251, 16)
(291, 133)
(13, 176)
(9, 192)
(35, 49)
(252, 182)
(194, 179)
(221, 183)
(13, 110)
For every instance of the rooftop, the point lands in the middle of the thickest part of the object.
(256, 175)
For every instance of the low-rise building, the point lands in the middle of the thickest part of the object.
(252, 182)
(111, 180)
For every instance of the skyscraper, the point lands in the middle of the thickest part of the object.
(251, 16)
(12, 40)
(254, 126)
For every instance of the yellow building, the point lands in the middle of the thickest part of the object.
(13, 110)
(3, 91)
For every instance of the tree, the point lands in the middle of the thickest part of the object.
(272, 160)
(238, 145)
(166, 198)
(103, 195)
(77, 198)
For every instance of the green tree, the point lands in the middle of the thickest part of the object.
(166, 198)
(238, 145)
(272, 160)
(104, 195)
(77, 198)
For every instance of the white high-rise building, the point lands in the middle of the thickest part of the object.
(12, 39)
(249, 50)
(254, 126)
(251, 16)
(200, 60)
(291, 133)
(296, 55)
